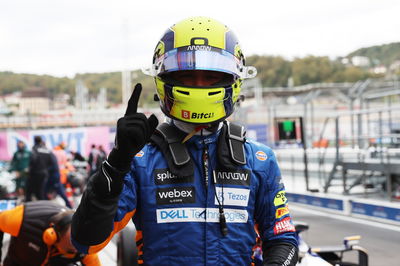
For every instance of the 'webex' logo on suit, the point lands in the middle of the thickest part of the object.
(163, 176)
(175, 195)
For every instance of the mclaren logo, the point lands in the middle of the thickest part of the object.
(34, 246)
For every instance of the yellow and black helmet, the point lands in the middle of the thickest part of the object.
(199, 43)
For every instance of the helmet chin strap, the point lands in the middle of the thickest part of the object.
(194, 129)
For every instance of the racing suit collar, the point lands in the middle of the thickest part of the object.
(188, 128)
(201, 138)
(200, 141)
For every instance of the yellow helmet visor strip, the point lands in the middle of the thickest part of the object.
(196, 105)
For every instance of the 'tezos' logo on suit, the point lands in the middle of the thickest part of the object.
(175, 195)
(232, 196)
(281, 212)
(239, 177)
(262, 156)
(163, 176)
(284, 226)
(280, 198)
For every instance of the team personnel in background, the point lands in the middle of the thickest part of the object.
(76, 156)
(102, 156)
(54, 184)
(20, 166)
(199, 192)
(40, 235)
(92, 159)
(61, 155)
(42, 163)
(57, 180)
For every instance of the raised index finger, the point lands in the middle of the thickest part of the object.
(133, 101)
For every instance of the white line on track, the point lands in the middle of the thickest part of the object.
(345, 218)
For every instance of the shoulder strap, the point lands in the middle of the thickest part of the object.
(231, 146)
(169, 140)
(236, 140)
(231, 151)
(178, 149)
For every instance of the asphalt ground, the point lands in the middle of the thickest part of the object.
(325, 229)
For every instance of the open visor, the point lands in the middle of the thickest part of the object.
(200, 58)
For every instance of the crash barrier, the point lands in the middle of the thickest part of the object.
(386, 212)
(365, 209)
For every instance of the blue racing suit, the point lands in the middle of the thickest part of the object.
(177, 219)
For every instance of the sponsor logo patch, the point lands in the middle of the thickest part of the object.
(240, 177)
(185, 114)
(211, 215)
(262, 156)
(281, 212)
(163, 176)
(284, 226)
(201, 115)
(199, 48)
(232, 196)
(139, 154)
(175, 195)
(280, 198)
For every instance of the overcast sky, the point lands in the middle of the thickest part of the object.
(65, 37)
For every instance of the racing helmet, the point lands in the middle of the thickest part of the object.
(199, 44)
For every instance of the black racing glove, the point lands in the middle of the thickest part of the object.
(133, 132)
(280, 254)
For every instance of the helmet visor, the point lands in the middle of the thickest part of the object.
(200, 58)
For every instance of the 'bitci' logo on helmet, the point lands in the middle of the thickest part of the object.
(193, 115)
(202, 115)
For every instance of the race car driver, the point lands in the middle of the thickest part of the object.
(198, 191)
(40, 235)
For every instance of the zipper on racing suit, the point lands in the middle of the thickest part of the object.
(205, 166)
(206, 178)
